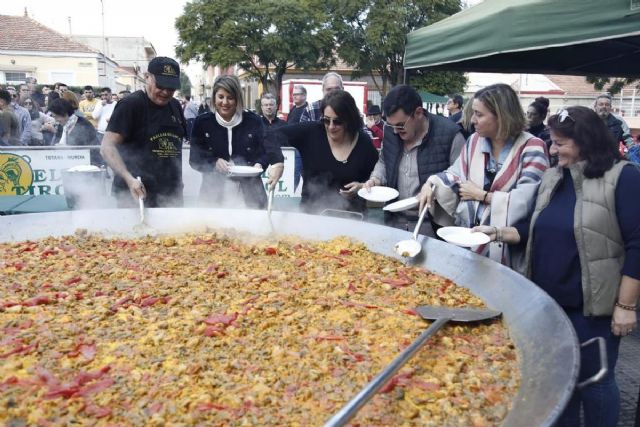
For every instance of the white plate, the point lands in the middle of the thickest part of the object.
(244, 171)
(378, 194)
(402, 205)
(463, 236)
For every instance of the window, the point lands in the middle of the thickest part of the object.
(15, 77)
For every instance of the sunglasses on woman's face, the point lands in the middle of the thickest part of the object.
(328, 120)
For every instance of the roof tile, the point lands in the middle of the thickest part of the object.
(22, 33)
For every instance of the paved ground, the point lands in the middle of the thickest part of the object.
(628, 376)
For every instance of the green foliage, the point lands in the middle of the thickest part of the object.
(185, 84)
(371, 34)
(264, 38)
(443, 83)
(615, 84)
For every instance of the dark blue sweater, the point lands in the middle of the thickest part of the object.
(555, 261)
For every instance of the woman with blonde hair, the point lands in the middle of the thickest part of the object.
(224, 137)
(495, 179)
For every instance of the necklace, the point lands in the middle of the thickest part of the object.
(338, 152)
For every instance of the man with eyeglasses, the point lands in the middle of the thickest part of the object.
(23, 116)
(416, 145)
(102, 112)
(454, 106)
(299, 104)
(144, 139)
(330, 82)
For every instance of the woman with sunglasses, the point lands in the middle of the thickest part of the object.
(336, 155)
(495, 179)
(226, 137)
(583, 249)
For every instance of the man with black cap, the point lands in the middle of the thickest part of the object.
(144, 139)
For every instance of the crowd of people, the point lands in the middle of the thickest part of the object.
(553, 198)
(27, 117)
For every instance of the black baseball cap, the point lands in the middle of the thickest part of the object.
(166, 72)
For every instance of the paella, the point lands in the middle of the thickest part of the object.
(208, 329)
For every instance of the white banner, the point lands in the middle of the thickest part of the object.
(37, 172)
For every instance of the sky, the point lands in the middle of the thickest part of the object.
(153, 20)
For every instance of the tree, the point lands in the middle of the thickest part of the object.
(371, 34)
(440, 82)
(615, 85)
(185, 84)
(265, 39)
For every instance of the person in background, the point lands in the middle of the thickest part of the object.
(88, 104)
(224, 138)
(495, 179)
(123, 94)
(37, 96)
(60, 88)
(336, 155)
(466, 124)
(204, 106)
(299, 104)
(583, 249)
(103, 111)
(454, 106)
(144, 139)
(23, 116)
(416, 145)
(536, 114)
(615, 125)
(9, 125)
(40, 122)
(46, 96)
(330, 82)
(75, 130)
(374, 122)
(24, 91)
(268, 107)
(190, 114)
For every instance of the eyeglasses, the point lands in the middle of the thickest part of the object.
(298, 94)
(563, 115)
(28, 103)
(328, 120)
(400, 126)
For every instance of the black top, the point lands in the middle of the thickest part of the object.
(152, 146)
(296, 113)
(324, 175)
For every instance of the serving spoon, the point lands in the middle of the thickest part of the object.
(410, 248)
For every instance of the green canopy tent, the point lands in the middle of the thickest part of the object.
(432, 98)
(577, 37)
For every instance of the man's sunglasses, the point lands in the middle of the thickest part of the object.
(328, 120)
(400, 126)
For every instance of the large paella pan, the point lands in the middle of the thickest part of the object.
(546, 343)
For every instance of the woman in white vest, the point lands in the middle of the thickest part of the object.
(583, 248)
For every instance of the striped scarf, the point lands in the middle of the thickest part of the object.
(513, 189)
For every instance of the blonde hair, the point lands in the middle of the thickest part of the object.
(503, 102)
(230, 84)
